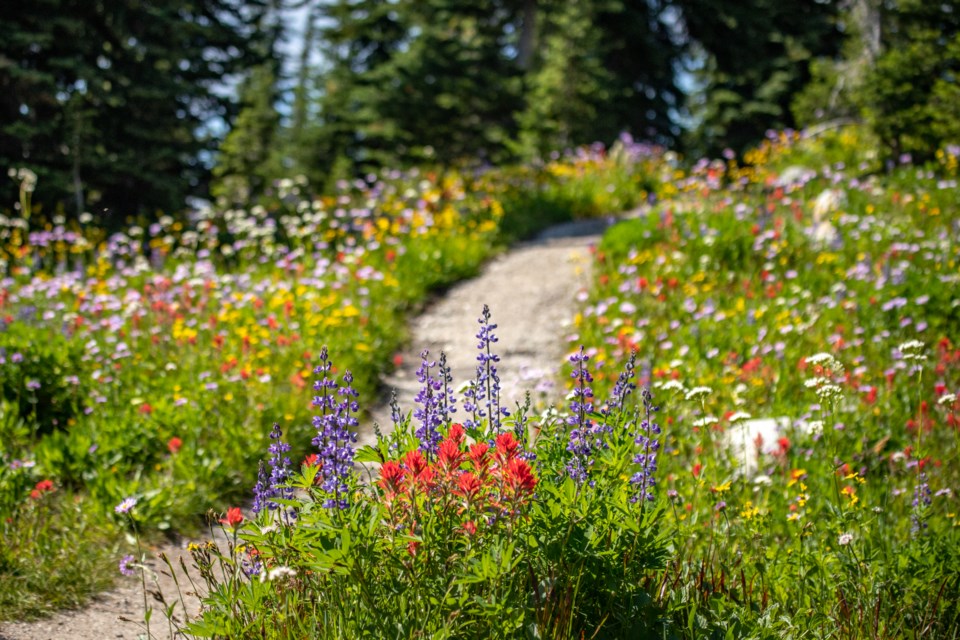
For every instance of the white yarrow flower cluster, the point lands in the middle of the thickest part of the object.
(698, 393)
(672, 385)
(825, 387)
(705, 421)
(912, 350)
(827, 361)
(947, 398)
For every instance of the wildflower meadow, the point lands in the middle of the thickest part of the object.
(758, 439)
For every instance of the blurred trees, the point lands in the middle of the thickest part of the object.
(129, 107)
(749, 60)
(113, 103)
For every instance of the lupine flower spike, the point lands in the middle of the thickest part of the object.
(430, 406)
(582, 437)
(335, 436)
(648, 445)
(271, 487)
(482, 399)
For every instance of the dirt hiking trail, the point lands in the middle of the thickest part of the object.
(531, 291)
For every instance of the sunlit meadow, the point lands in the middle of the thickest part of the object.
(759, 441)
(150, 363)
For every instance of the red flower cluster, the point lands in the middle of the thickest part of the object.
(41, 488)
(471, 484)
(233, 517)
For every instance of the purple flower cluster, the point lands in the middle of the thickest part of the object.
(125, 565)
(586, 436)
(482, 399)
(272, 486)
(432, 404)
(624, 387)
(647, 441)
(448, 400)
(335, 436)
(921, 500)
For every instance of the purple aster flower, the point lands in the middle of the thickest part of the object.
(482, 399)
(335, 437)
(126, 505)
(430, 402)
(648, 444)
(125, 567)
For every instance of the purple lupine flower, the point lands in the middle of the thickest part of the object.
(647, 440)
(921, 500)
(396, 416)
(624, 386)
(251, 567)
(334, 426)
(583, 436)
(269, 487)
(430, 402)
(482, 399)
(448, 401)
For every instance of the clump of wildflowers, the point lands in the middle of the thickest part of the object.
(478, 487)
(337, 407)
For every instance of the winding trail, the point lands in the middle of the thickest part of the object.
(531, 291)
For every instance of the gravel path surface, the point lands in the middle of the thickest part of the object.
(531, 292)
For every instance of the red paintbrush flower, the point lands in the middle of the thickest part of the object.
(233, 518)
(519, 476)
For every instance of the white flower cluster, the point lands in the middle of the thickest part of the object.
(827, 361)
(26, 178)
(826, 389)
(697, 393)
(912, 350)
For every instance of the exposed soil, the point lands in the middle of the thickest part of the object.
(531, 291)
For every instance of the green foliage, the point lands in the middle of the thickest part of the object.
(160, 351)
(248, 160)
(908, 95)
(753, 57)
(583, 85)
(56, 553)
(39, 381)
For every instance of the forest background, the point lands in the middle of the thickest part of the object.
(125, 109)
